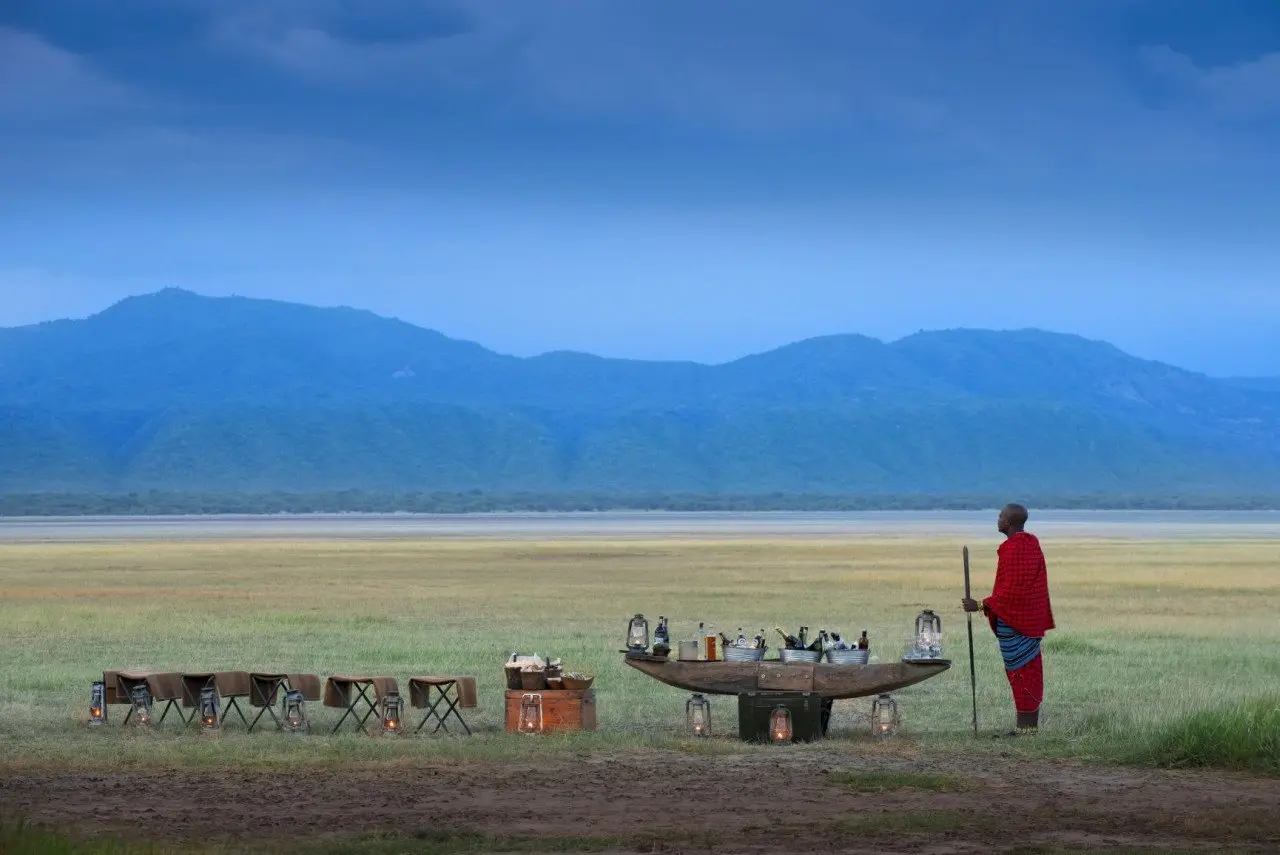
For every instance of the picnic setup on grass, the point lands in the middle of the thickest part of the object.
(788, 699)
(780, 701)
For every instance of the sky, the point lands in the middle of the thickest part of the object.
(658, 179)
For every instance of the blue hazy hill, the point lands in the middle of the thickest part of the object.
(183, 392)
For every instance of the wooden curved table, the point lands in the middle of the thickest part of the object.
(832, 682)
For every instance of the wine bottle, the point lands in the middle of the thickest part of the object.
(790, 641)
(660, 635)
(742, 638)
(760, 641)
(863, 644)
(804, 638)
(724, 641)
(821, 643)
(838, 643)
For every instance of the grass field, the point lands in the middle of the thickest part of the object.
(1166, 652)
(1149, 632)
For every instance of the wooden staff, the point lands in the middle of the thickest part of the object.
(973, 677)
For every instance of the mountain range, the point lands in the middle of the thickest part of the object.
(177, 391)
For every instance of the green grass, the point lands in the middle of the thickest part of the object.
(1157, 640)
(19, 838)
(454, 843)
(894, 823)
(884, 782)
(23, 839)
(1117, 850)
(1241, 735)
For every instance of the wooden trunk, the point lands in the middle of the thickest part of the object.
(566, 709)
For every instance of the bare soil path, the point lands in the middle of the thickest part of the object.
(765, 802)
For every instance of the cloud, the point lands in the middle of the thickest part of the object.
(39, 82)
(1245, 89)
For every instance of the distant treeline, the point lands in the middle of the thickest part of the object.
(354, 501)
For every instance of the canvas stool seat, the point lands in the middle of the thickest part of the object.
(265, 687)
(228, 685)
(164, 686)
(451, 693)
(350, 694)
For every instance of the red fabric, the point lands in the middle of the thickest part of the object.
(1020, 596)
(1028, 685)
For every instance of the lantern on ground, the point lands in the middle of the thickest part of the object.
(140, 698)
(929, 634)
(638, 634)
(530, 713)
(98, 704)
(697, 716)
(392, 709)
(295, 713)
(208, 710)
(884, 717)
(780, 726)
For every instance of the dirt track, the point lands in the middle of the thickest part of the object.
(676, 802)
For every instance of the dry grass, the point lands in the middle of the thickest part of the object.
(1148, 631)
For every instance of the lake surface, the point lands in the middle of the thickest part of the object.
(975, 525)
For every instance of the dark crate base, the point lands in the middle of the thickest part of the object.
(809, 715)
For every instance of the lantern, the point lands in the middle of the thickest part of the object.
(780, 726)
(884, 717)
(98, 704)
(392, 707)
(208, 710)
(140, 697)
(697, 716)
(929, 634)
(638, 634)
(295, 714)
(530, 713)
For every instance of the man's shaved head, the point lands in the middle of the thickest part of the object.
(1013, 518)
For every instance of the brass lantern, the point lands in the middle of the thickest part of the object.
(98, 704)
(208, 710)
(697, 717)
(884, 717)
(392, 709)
(780, 726)
(929, 634)
(140, 697)
(295, 713)
(530, 713)
(638, 634)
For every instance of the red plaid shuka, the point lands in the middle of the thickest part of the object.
(1020, 596)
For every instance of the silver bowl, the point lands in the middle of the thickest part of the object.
(743, 654)
(848, 657)
(788, 655)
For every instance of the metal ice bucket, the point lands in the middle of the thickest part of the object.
(847, 657)
(743, 654)
(788, 655)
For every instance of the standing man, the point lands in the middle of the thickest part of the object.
(1020, 614)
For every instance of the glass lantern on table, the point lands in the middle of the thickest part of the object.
(638, 634)
(928, 635)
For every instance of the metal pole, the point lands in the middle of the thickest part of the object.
(973, 677)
